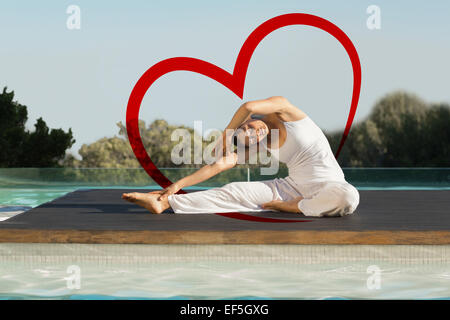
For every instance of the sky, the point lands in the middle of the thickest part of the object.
(82, 78)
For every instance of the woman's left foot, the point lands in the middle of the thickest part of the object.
(148, 201)
(284, 206)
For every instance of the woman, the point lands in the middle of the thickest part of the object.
(315, 185)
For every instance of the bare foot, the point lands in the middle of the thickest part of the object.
(284, 206)
(147, 200)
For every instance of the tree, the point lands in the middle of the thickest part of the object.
(112, 152)
(401, 131)
(399, 118)
(436, 135)
(21, 148)
(116, 152)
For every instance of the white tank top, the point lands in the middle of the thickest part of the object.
(308, 154)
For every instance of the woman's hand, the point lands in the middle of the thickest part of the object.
(163, 194)
(223, 145)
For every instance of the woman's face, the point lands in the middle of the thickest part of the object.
(251, 132)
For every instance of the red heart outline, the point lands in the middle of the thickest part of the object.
(234, 82)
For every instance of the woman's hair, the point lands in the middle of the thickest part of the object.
(257, 116)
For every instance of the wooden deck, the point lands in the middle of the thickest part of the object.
(101, 216)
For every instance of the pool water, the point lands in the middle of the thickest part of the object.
(33, 186)
(42, 271)
(31, 196)
(225, 281)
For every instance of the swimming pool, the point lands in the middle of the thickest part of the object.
(42, 271)
(34, 186)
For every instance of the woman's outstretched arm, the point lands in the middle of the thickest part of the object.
(202, 174)
(264, 106)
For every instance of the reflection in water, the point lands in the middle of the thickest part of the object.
(225, 280)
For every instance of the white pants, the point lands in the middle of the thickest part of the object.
(320, 199)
